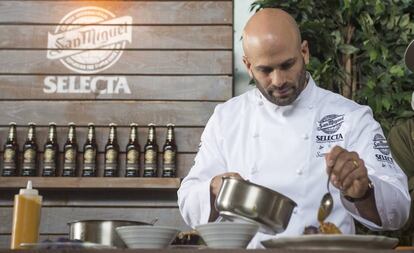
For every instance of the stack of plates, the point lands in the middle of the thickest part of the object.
(227, 235)
(147, 237)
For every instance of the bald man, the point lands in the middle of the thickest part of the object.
(288, 134)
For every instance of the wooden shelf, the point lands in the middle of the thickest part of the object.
(90, 183)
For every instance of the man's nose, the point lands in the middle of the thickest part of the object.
(278, 78)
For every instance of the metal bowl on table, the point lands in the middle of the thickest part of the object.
(101, 231)
(240, 199)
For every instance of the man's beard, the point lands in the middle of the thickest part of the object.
(294, 92)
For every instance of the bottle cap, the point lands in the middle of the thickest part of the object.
(71, 124)
(52, 124)
(133, 124)
(91, 124)
(151, 124)
(112, 125)
(12, 123)
(170, 125)
(29, 189)
(32, 124)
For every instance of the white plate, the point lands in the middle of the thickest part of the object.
(58, 245)
(332, 242)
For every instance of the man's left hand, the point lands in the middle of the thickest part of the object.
(349, 173)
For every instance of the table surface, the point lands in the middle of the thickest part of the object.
(191, 250)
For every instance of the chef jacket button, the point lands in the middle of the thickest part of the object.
(255, 135)
(305, 136)
(254, 170)
(260, 103)
(295, 211)
(299, 171)
(310, 107)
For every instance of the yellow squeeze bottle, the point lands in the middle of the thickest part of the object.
(26, 216)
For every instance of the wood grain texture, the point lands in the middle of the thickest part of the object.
(131, 62)
(54, 219)
(187, 139)
(143, 37)
(142, 88)
(149, 198)
(142, 12)
(105, 112)
(83, 183)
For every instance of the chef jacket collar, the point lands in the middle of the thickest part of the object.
(305, 99)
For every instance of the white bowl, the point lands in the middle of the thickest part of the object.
(147, 237)
(227, 235)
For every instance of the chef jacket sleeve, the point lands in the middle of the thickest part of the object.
(390, 183)
(194, 192)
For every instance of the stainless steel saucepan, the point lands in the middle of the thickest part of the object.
(240, 199)
(101, 231)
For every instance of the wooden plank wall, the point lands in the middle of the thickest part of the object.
(177, 64)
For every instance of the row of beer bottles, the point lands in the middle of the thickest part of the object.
(90, 150)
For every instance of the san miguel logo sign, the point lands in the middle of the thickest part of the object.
(88, 49)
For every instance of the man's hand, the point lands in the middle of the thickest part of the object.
(216, 182)
(215, 185)
(349, 173)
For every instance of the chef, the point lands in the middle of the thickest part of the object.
(287, 134)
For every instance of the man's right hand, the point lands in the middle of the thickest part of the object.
(215, 185)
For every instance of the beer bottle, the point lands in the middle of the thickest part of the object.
(169, 154)
(132, 153)
(30, 153)
(51, 151)
(150, 153)
(111, 153)
(90, 153)
(70, 153)
(11, 151)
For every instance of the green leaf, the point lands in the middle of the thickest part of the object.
(404, 21)
(397, 70)
(373, 54)
(386, 102)
(348, 49)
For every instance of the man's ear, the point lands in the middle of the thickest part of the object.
(248, 66)
(304, 50)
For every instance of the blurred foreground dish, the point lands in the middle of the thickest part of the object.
(324, 228)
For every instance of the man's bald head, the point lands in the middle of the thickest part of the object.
(275, 55)
(269, 27)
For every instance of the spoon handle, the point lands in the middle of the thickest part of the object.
(329, 180)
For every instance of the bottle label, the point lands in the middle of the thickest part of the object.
(132, 170)
(168, 170)
(9, 155)
(29, 156)
(70, 155)
(49, 170)
(29, 170)
(150, 169)
(111, 156)
(50, 155)
(110, 170)
(9, 169)
(89, 156)
(69, 169)
(150, 156)
(89, 170)
(132, 156)
(169, 157)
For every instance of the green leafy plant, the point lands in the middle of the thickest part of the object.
(357, 49)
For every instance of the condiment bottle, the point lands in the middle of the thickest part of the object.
(26, 216)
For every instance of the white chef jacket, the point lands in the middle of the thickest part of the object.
(283, 148)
